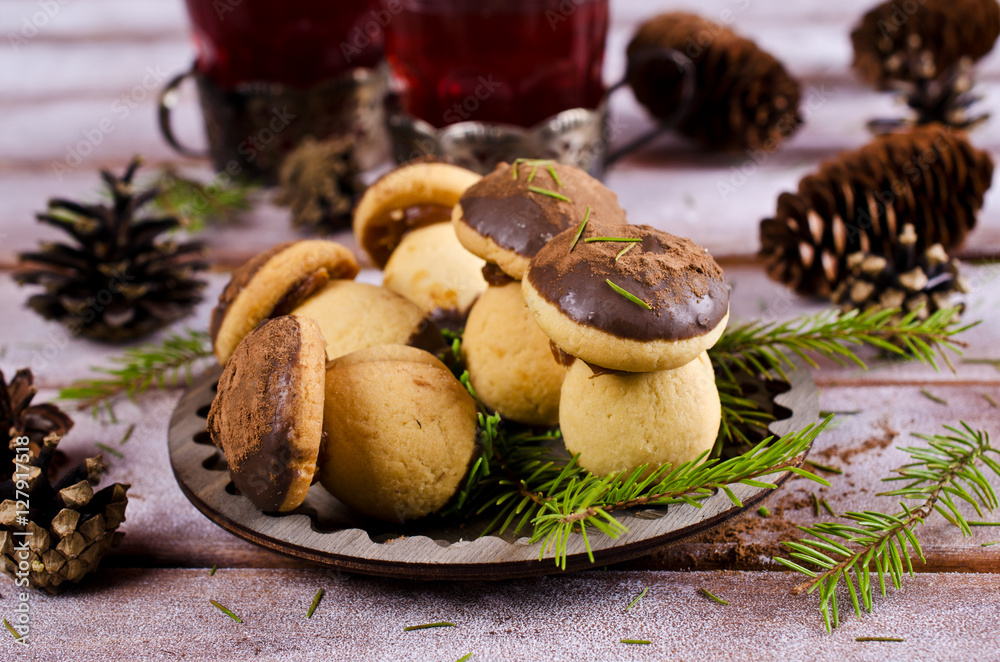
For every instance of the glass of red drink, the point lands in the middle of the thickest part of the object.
(513, 63)
(271, 72)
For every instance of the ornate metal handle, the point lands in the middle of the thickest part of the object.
(686, 67)
(169, 96)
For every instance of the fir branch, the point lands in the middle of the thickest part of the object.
(586, 501)
(165, 365)
(767, 349)
(197, 204)
(943, 475)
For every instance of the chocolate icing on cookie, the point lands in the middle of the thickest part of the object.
(518, 219)
(241, 276)
(254, 420)
(381, 239)
(679, 280)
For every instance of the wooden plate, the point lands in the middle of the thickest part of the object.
(324, 531)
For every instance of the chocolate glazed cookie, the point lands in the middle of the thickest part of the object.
(510, 214)
(627, 297)
(268, 414)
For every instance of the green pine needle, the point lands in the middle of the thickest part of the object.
(879, 639)
(824, 467)
(198, 204)
(315, 603)
(635, 642)
(425, 626)
(109, 449)
(10, 628)
(167, 364)
(551, 194)
(226, 611)
(579, 230)
(464, 657)
(708, 594)
(628, 295)
(637, 598)
(944, 474)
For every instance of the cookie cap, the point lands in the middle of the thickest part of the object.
(515, 210)
(410, 197)
(271, 284)
(267, 416)
(682, 287)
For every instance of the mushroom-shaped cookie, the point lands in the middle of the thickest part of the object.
(512, 212)
(355, 315)
(627, 297)
(272, 284)
(400, 432)
(410, 197)
(620, 421)
(267, 416)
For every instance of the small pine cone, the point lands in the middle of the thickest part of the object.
(321, 181)
(744, 98)
(930, 177)
(910, 41)
(20, 418)
(116, 281)
(911, 280)
(71, 527)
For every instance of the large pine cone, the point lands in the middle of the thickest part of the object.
(921, 39)
(930, 177)
(117, 280)
(67, 527)
(744, 98)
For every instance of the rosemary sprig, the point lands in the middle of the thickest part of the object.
(425, 626)
(628, 295)
(551, 194)
(579, 230)
(943, 474)
(10, 628)
(226, 611)
(637, 598)
(315, 603)
(164, 365)
(823, 467)
(109, 449)
(625, 250)
(708, 594)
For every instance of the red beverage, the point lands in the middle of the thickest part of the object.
(295, 42)
(497, 61)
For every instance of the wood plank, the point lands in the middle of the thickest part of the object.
(131, 614)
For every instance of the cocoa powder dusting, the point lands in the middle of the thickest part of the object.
(679, 280)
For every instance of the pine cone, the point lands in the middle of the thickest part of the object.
(320, 182)
(897, 42)
(117, 282)
(18, 417)
(910, 280)
(71, 528)
(930, 177)
(744, 98)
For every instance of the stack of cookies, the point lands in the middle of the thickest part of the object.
(332, 380)
(637, 308)
(571, 317)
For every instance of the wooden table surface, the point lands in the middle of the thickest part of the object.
(150, 599)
